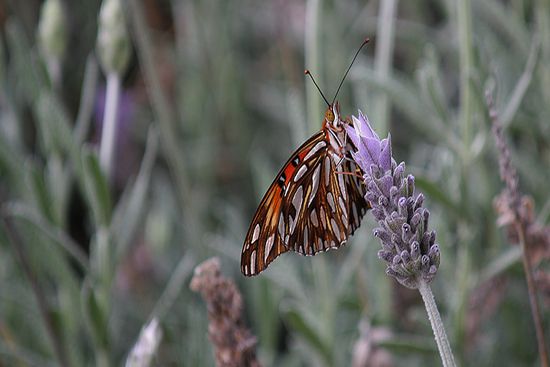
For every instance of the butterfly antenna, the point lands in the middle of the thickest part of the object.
(347, 71)
(306, 72)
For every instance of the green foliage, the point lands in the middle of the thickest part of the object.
(213, 103)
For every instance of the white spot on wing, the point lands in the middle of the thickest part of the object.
(327, 171)
(343, 206)
(315, 180)
(301, 172)
(345, 221)
(298, 199)
(335, 227)
(253, 262)
(256, 233)
(269, 246)
(286, 190)
(315, 149)
(313, 217)
(330, 199)
(281, 226)
(342, 184)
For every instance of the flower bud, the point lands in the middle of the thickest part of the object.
(52, 28)
(113, 43)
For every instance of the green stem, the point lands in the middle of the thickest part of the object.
(313, 13)
(87, 100)
(464, 20)
(164, 114)
(464, 30)
(441, 339)
(532, 291)
(385, 34)
(542, 17)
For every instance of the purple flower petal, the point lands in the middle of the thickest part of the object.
(352, 133)
(365, 128)
(373, 149)
(385, 155)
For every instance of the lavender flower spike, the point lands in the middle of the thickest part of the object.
(408, 247)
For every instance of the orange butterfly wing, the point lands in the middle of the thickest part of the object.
(263, 242)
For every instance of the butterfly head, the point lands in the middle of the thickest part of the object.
(332, 115)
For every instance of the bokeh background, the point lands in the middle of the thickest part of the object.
(213, 101)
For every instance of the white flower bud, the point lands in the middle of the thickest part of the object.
(113, 43)
(52, 29)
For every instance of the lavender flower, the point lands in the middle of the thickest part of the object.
(408, 247)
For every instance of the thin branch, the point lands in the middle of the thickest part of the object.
(520, 221)
(532, 291)
(440, 335)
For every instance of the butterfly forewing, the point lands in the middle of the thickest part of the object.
(263, 242)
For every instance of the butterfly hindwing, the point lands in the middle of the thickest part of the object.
(324, 207)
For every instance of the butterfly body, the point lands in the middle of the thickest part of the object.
(312, 205)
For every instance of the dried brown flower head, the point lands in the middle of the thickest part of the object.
(234, 344)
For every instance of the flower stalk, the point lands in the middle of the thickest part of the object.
(519, 212)
(408, 246)
(113, 46)
(108, 133)
(443, 345)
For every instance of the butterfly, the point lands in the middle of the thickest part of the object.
(314, 204)
(316, 201)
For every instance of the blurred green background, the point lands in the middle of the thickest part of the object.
(212, 102)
